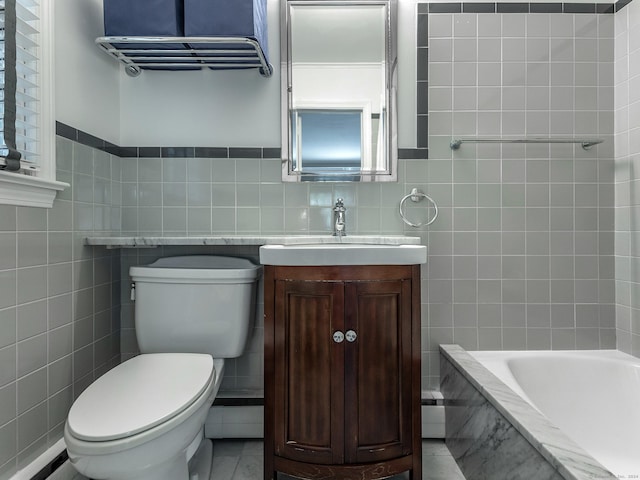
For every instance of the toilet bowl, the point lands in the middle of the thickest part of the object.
(122, 435)
(144, 419)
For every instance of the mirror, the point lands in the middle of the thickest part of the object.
(338, 63)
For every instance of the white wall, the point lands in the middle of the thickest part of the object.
(234, 108)
(192, 108)
(204, 108)
(87, 80)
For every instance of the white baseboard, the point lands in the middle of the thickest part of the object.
(235, 422)
(247, 422)
(40, 462)
(433, 421)
(222, 422)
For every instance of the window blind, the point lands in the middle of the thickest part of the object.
(19, 36)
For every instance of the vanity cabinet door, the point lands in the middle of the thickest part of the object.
(378, 371)
(342, 371)
(309, 371)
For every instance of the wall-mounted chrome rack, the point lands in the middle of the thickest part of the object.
(586, 143)
(186, 53)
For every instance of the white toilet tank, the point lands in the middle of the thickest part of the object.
(195, 304)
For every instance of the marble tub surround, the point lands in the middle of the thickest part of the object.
(157, 241)
(483, 443)
(493, 433)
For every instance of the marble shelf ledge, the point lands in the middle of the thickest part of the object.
(158, 241)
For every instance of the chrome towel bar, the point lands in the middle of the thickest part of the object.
(586, 143)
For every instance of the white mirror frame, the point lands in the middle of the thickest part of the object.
(390, 127)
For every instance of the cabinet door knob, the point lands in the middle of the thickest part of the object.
(338, 336)
(351, 336)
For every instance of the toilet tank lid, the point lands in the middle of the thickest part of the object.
(139, 394)
(199, 267)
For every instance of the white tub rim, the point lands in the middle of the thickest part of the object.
(494, 361)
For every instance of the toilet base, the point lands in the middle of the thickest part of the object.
(200, 464)
(173, 469)
(198, 468)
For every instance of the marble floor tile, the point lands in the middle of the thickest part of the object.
(253, 447)
(250, 467)
(438, 464)
(440, 467)
(243, 460)
(228, 448)
(66, 472)
(434, 447)
(224, 467)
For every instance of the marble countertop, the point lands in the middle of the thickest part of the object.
(157, 241)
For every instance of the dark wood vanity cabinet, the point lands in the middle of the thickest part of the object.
(342, 371)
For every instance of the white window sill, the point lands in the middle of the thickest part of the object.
(23, 190)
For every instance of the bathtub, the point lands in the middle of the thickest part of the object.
(547, 415)
(592, 396)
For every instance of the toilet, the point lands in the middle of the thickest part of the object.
(144, 419)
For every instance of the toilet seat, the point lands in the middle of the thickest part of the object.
(140, 394)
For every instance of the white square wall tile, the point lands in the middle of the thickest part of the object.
(440, 25)
(489, 49)
(464, 74)
(465, 25)
(465, 50)
(513, 24)
(513, 49)
(440, 49)
(440, 74)
(489, 26)
(539, 25)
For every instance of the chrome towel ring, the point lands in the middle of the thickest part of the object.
(416, 196)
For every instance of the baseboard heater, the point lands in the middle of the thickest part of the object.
(243, 417)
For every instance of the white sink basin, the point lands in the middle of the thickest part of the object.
(342, 254)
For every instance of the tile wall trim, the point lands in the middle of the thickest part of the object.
(621, 4)
(413, 153)
(533, 7)
(89, 140)
(85, 138)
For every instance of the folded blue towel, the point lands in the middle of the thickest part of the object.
(226, 18)
(146, 18)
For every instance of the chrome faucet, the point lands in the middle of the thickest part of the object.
(339, 219)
